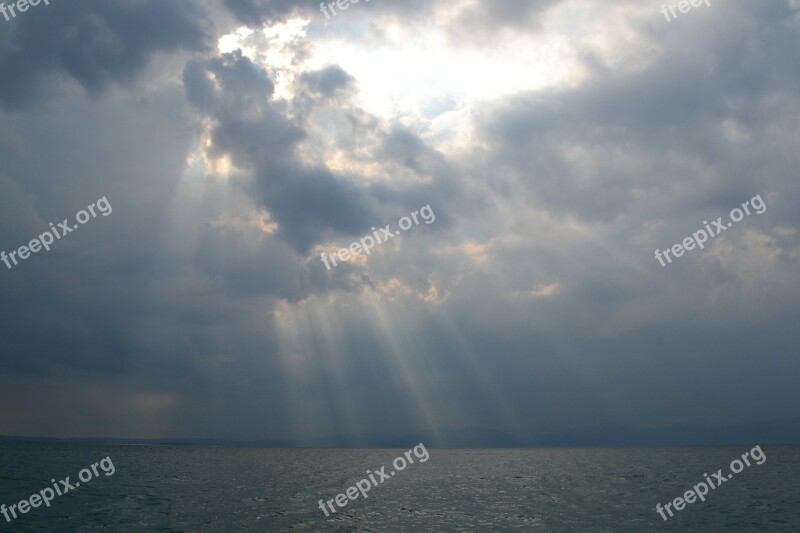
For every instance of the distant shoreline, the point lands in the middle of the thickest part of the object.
(771, 433)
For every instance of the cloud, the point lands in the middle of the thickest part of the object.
(328, 80)
(93, 42)
(201, 308)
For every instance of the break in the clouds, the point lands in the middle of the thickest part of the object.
(559, 144)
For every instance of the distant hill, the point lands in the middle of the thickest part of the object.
(780, 431)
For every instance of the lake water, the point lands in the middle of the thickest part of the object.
(167, 488)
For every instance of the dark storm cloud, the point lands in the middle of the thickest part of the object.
(244, 88)
(93, 41)
(306, 202)
(328, 80)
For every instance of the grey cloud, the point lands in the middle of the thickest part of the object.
(93, 41)
(259, 12)
(479, 23)
(183, 300)
(328, 80)
(308, 203)
(564, 145)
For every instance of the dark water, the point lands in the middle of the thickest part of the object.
(223, 489)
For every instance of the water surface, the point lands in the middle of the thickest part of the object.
(182, 488)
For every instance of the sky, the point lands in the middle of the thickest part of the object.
(558, 144)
